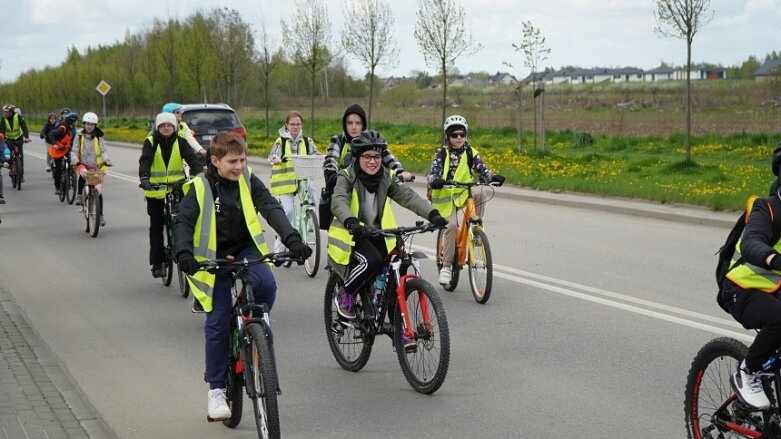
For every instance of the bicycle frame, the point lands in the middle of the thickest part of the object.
(305, 203)
(463, 235)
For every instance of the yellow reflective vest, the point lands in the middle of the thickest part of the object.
(750, 276)
(205, 232)
(98, 155)
(159, 174)
(340, 242)
(444, 199)
(283, 175)
(13, 129)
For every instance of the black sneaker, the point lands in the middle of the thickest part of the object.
(197, 307)
(158, 271)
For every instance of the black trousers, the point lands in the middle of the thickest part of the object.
(58, 166)
(756, 310)
(154, 208)
(365, 261)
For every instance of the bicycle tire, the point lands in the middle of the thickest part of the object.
(440, 252)
(234, 392)
(264, 382)
(426, 368)
(708, 388)
(63, 186)
(350, 346)
(93, 210)
(480, 281)
(312, 239)
(17, 178)
(184, 286)
(73, 186)
(168, 259)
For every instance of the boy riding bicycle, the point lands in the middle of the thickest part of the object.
(218, 218)
(451, 163)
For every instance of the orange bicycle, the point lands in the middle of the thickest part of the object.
(472, 247)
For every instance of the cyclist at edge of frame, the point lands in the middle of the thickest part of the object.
(162, 162)
(361, 201)
(218, 218)
(450, 164)
(291, 141)
(14, 130)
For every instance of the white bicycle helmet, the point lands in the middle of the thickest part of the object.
(9, 107)
(90, 117)
(455, 121)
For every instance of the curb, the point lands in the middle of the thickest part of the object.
(670, 212)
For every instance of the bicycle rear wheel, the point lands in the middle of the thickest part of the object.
(424, 365)
(234, 391)
(312, 239)
(440, 252)
(480, 266)
(93, 212)
(710, 402)
(350, 346)
(64, 180)
(168, 260)
(264, 382)
(73, 186)
(16, 178)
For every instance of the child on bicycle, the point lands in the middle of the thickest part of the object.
(89, 155)
(361, 201)
(450, 163)
(291, 141)
(162, 162)
(48, 126)
(60, 140)
(750, 293)
(218, 218)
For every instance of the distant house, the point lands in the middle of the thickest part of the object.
(661, 73)
(502, 78)
(699, 72)
(466, 81)
(628, 74)
(769, 70)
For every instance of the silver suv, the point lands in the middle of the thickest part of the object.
(206, 120)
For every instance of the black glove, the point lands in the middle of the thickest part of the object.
(145, 185)
(436, 219)
(775, 263)
(437, 183)
(499, 179)
(355, 228)
(187, 263)
(299, 249)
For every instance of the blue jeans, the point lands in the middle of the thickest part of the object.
(217, 327)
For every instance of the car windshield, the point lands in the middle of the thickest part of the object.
(211, 118)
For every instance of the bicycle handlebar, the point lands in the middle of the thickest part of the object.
(469, 184)
(275, 258)
(419, 227)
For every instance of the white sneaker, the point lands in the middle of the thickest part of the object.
(218, 409)
(445, 275)
(749, 387)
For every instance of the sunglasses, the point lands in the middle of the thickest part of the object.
(457, 134)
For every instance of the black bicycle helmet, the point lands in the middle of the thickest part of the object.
(72, 117)
(776, 162)
(368, 140)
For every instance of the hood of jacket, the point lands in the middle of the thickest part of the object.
(353, 109)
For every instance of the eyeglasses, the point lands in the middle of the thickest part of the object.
(457, 134)
(371, 158)
(295, 124)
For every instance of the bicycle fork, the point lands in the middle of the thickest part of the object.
(252, 392)
(401, 298)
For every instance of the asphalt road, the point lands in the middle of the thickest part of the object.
(594, 319)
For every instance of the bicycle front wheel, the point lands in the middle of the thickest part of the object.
(73, 186)
(710, 402)
(168, 261)
(16, 179)
(184, 287)
(312, 239)
(440, 255)
(480, 266)
(425, 359)
(64, 180)
(350, 346)
(264, 381)
(93, 212)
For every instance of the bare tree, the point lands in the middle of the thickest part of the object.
(368, 36)
(307, 39)
(197, 60)
(235, 44)
(266, 60)
(683, 19)
(442, 37)
(535, 52)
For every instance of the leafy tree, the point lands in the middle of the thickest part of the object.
(683, 19)
(235, 45)
(442, 37)
(368, 36)
(196, 60)
(307, 39)
(535, 52)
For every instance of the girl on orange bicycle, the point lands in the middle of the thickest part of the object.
(457, 161)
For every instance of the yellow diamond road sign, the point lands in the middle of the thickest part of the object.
(103, 88)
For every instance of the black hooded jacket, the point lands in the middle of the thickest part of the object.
(166, 147)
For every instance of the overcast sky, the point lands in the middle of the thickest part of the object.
(584, 33)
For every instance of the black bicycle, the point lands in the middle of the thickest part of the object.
(713, 410)
(15, 168)
(173, 196)
(251, 362)
(400, 305)
(69, 181)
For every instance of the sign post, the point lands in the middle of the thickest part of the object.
(103, 88)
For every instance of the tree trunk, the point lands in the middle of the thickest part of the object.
(312, 104)
(519, 97)
(267, 106)
(371, 98)
(542, 122)
(688, 99)
(444, 90)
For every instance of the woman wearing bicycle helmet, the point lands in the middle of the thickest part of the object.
(361, 201)
(458, 161)
(90, 154)
(184, 130)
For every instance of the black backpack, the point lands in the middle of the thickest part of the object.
(728, 249)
